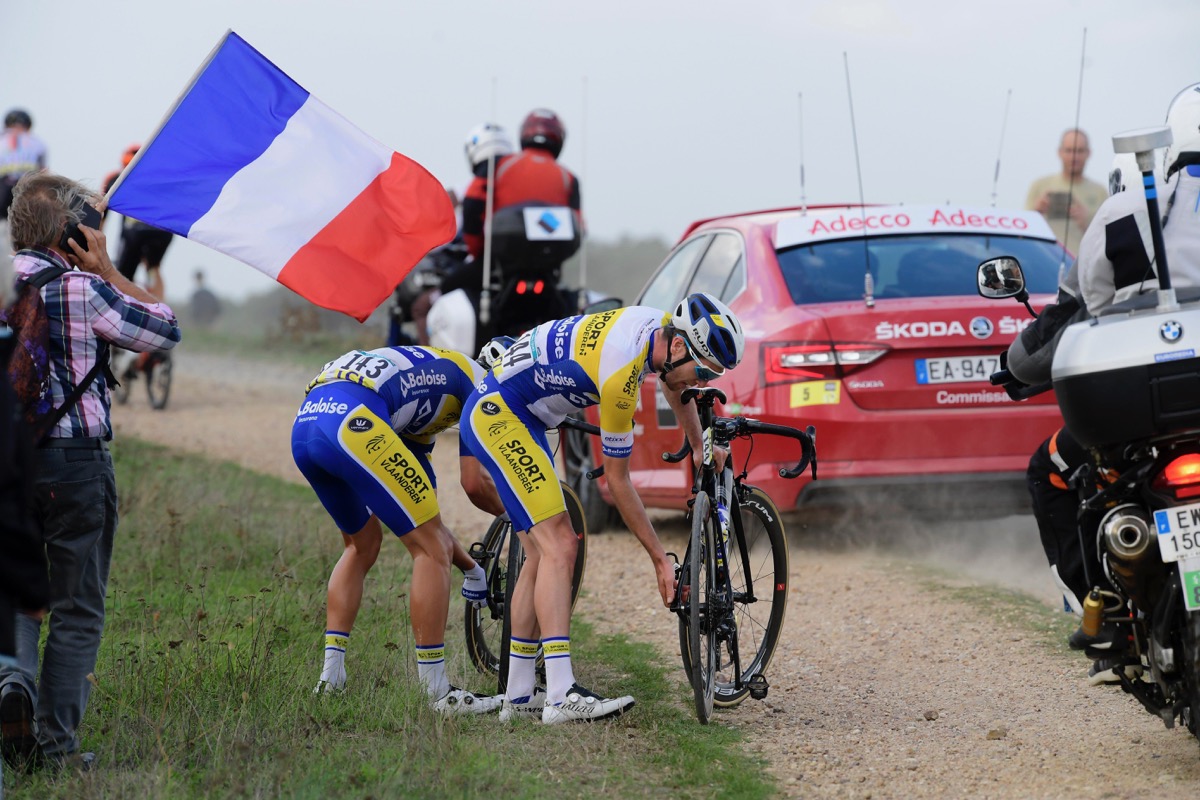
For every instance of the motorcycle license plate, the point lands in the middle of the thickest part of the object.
(1178, 531)
(963, 369)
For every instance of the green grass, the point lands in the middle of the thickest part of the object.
(213, 644)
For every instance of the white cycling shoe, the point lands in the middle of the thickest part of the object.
(529, 710)
(460, 701)
(582, 705)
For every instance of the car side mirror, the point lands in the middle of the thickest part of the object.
(1001, 278)
(600, 306)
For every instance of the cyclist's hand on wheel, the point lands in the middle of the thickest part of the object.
(475, 592)
(664, 568)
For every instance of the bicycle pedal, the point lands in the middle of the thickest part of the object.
(477, 552)
(758, 686)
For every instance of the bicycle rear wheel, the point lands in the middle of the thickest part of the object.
(699, 629)
(759, 619)
(158, 380)
(487, 630)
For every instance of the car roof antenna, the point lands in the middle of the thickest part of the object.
(803, 197)
(1062, 265)
(1003, 127)
(868, 278)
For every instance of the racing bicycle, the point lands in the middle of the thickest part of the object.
(733, 581)
(157, 373)
(501, 555)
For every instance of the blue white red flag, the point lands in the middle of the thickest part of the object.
(252, 165)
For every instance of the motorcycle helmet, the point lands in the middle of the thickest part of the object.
(486, 140)
(129, 153)
(544, 130)
(710, 329)
(493, 351)
(1183, 117)
(1124, 174)
(18, 116)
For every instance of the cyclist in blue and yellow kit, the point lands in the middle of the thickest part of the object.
(362, 439)
(552, 371)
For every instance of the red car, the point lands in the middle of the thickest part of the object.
(865, 322)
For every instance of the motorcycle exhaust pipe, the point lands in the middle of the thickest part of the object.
(1127, 532)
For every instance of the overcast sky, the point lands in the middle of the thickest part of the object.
(674, 110)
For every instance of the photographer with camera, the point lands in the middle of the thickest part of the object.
(54, 223)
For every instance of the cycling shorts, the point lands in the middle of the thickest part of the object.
(358, 465)
(140, 243)
(511, 445)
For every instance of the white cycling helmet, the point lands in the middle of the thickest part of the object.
(711, 329)
(494, 350)
(487, 140)
(1183, 117)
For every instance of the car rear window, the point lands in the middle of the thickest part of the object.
(935, 265)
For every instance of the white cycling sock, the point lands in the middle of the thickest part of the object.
(559, 675)
(333, 674)
(431, 670)
(522, 658)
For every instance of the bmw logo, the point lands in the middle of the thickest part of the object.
(982, 327)
(1170, 331)
(360, 425)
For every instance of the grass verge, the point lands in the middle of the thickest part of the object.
(213, 644)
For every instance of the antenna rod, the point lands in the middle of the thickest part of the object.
(485, 295)
(868, 278)
(999, 150)
(1071, 184)
(581, 300)
(803, 197)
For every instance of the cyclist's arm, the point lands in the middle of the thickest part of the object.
(479, 486)
(633, 513)
(689, 420)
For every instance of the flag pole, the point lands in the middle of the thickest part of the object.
(162, 122)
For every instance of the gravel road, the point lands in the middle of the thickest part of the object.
(881, 687)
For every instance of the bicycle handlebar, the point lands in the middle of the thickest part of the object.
(728, 428)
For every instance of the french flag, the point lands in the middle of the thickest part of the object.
(250, 164)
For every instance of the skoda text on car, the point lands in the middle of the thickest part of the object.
(892, 369)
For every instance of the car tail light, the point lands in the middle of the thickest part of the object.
(788, 363)
(1181, 477)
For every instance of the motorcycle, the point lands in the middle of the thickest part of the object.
(519, 286)
(1128, 385)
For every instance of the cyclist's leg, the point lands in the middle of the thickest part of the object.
(153, 250)
(514, 451)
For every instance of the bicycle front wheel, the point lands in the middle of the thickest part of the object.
(700, 625)
(759, 596)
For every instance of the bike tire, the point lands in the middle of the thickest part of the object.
(1191, 671)
(158, 381)
(701, 634)
(758, 624)
(487, 628)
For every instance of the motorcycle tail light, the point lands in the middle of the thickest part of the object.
(815, 360)
(1181, 478)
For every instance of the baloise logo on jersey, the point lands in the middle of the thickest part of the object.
(553, 379)
(325, 405)
(523, 464)
(415, 380)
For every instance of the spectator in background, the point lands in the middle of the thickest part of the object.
(74, 498)
(24, 582)
(1067, 199)
(205, 305)
(20, 152)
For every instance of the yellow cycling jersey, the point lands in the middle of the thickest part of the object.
(562, 366)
